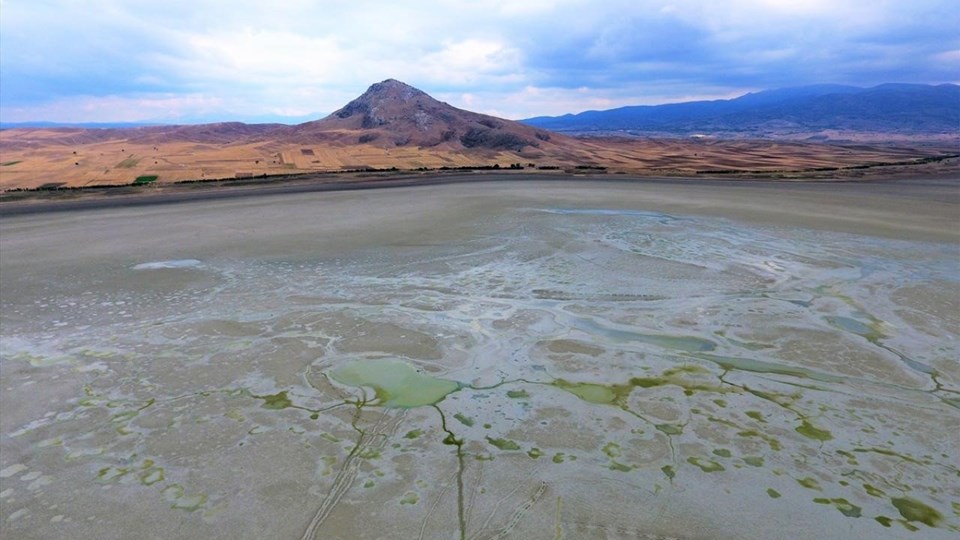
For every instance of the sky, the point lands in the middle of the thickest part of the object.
(220, 60)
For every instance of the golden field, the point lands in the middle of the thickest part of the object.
(31, 158)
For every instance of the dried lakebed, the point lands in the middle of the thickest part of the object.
(536, 361)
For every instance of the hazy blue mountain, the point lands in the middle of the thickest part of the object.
(888, 108)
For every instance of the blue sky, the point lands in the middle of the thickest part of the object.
(214, 60)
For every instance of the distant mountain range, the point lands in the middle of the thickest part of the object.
(812, 112)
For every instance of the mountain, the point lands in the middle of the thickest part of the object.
(820, 111)
(391, 113)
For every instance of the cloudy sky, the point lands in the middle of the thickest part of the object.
(213, 60)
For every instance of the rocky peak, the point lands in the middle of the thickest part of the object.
(384, 101)
(392, 89)
(389, 92)
(393, 113)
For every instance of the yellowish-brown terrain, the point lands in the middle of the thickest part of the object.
(393, 125)
(48, 157)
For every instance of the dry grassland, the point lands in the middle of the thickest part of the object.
(34, 158)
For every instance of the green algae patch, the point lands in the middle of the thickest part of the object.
(809, 483)
(369, 453)
(534, 452)
(844, 506)
(463, 419)
(847, 508)
(175, 495)
(669, 471)
(873, 491)
(810, 431)
(413, 434)
(152, 476)
(851, 459)
(503, 444)
(617, 394)
(914, 510)
(123, 417)
(276, 401)
(884, 520)
(410, 498)
(773, 443)
(891, 453)
(706, 465)
(111, 474)
(754, 461)
(611, 449)
(328, 463)
(620, 467)
(517, 394)
(722, 403)
(558, 457)
(756, 415)
(722, 452)
(685, 368)
(595, 393)
(397, 384)
(669, 429)
(774, 494)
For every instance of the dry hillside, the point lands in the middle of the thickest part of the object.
(392, 125)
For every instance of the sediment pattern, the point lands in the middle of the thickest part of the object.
(558, 372)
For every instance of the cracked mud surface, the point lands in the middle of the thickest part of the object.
(477, 362)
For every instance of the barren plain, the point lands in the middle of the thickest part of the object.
(575, 359)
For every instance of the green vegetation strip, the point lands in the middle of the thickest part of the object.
(145, 179)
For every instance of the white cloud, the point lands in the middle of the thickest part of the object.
(468, 61)
(168, 108)
(251, 57)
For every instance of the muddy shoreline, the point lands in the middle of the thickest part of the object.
(34, 202)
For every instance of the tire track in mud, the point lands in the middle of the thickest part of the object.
(373, 438)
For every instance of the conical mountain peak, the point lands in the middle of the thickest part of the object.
(393, 113)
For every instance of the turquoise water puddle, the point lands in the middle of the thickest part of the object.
(396, 383)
